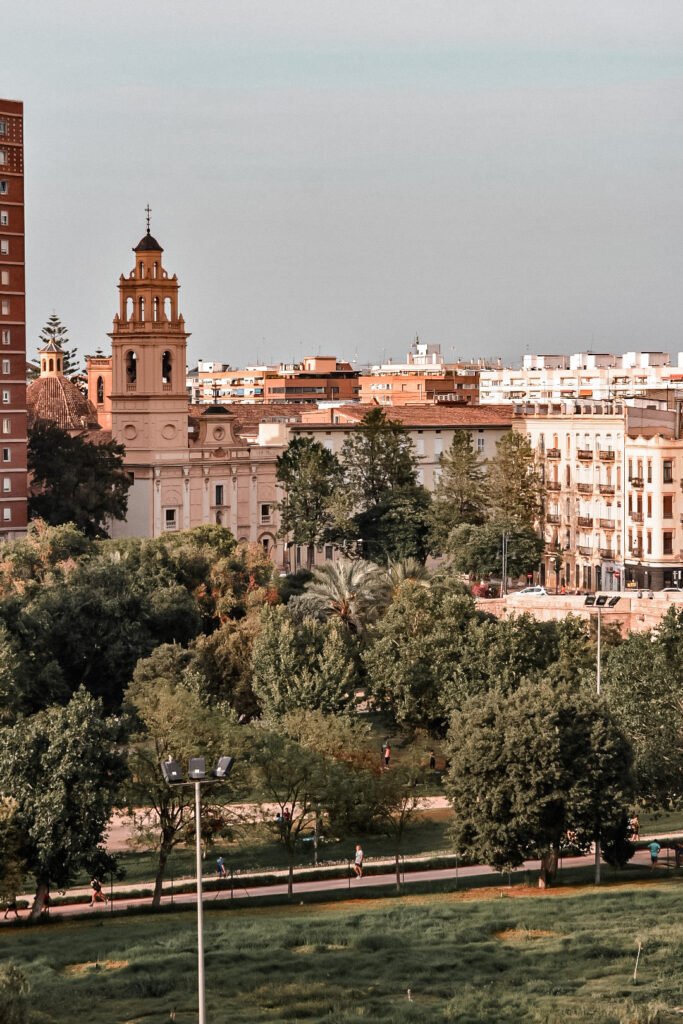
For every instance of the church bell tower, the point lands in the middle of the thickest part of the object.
(149, 341)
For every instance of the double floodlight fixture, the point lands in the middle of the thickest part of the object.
(174, 776)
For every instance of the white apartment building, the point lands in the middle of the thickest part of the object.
(613, 498)
(219, 382)
(601, 376)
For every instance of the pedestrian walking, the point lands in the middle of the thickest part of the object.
(220, 867)
(654, 847)
(358, 861)
(97, 895)
(634, 825)
(11, 906)
(387, 754)
(432, 761)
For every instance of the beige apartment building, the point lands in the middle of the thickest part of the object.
(613, 497)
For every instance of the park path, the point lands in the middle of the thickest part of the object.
(243, 893)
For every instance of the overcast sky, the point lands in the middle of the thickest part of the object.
(335, 176)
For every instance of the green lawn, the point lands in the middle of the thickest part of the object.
(546, 959)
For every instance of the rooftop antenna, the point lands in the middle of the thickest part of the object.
(148, 211)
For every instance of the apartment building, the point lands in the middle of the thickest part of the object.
(602, 376)
(211, 381)
(613, 499)
(424, 377)
(315, 379)
(13, 429)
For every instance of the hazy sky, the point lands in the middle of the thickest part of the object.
(499, 176)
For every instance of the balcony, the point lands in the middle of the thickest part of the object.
(605, 456)
(636, 481)
(585, 550)
(607, 553)
(606, 488)
(553, 485)
(636, 551)
(585, 521)
(553, 453)
(585, 454)
(584, 488)
(607, 524)
(637, 517)
(553, 518)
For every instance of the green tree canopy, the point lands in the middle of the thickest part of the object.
(514, 486)
(63, 769)
(353, 592)
(172, 721)
(528, 766)
(478, 550)
(303, 664)
(641, 680)
(309, 475)
(460, 495)
(74, 481)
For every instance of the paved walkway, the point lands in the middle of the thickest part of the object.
(351, 884)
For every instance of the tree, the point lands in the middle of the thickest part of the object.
(63, 769)
(460, 495)
(309, 475)
(12, 868)
(54, 331)
(304, 665)
(530, 765)
(640, 682)
(478, 550)
(172, 721)
(416, 649)
(74, 481)
(514, 486)
(380, 504)
(398, 796)
(354, 592)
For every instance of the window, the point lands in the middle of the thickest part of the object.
(5, 366)
(265, 544)
(6, 484)
(3, 157)
(4, 276)
(649, 506)
(668, 506)
(4, 247)
(480, 444)
(3, 188)
(667, 543)
(100, 390)
(4, 307)
(4, 218)
(7, 426)
(169, 519)
(649, 471)
(649, 543)
(265, 513)
(5, 396)
(328, 552)
(6, 336)
(668, 468)
(3, 127)
(219, 494)
(6, 454)
(7, 515)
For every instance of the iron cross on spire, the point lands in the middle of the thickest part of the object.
(148, 211)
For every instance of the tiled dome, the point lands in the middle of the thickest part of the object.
(59, 401)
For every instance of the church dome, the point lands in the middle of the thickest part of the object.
(59, 401)
(148, 244)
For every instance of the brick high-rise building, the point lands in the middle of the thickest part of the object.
(13, 436)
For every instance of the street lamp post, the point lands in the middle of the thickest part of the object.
(599, 601)
(173, 775)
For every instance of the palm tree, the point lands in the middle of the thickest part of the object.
(406, 569)
(354, 591)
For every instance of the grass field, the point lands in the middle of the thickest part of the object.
(512, 958)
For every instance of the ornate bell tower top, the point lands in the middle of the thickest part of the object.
(149, 340)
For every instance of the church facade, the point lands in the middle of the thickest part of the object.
(186, 470)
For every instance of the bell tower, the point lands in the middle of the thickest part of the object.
(149, 341)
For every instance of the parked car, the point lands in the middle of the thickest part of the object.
(532, 592)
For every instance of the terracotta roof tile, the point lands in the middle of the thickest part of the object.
(59, 401)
